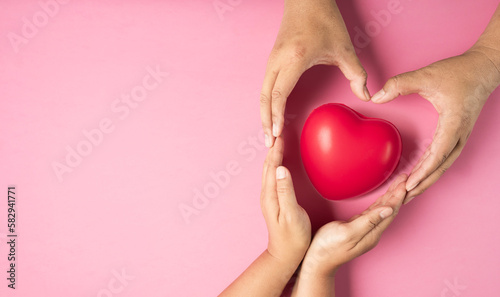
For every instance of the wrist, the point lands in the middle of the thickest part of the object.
(315, 8)
(314, 282)
(287, 263)
(317, 267)
(308, 2)
(488, 60)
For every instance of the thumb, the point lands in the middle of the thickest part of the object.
(284, 189)
(353, 70)
(366, 223)
(402, 84)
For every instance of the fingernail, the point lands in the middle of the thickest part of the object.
(280, 173)
(385, 213)
(367, 94)
(408, 200)
(267, 140)
(411, 185)
(275, 130)
(379, 95)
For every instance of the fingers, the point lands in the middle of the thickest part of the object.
(265, 105)
(285, 82)
(267, 161)
(277, 86)
(399, 181)
(284, 188)
(384, 199)
(370, 226)
(367, 222)
(445, 140)
(273, 159)
(402, 84)
(392, 199)
(395, 201)
(269, 199)
(353, 70)
(429, 181)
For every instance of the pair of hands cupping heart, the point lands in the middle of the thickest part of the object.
(346, 154)
(457, 87)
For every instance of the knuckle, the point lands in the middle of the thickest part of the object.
(363, 74)
(426, 78)
(275, 53)
(344, 233)
(442, 170)
(343, 237)
(372, 224)
(436, 159)
(276, 94)
(299, 52)
(443, 159)
(282, 190)
(264, 99)
(358, 74)
(343, 229)
(393, 82)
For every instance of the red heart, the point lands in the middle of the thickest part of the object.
(346, 154)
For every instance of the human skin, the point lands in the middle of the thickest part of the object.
(458, 88)
(289, 231)
(312, 32)
(338, 242)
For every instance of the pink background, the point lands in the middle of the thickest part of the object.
(118, 210)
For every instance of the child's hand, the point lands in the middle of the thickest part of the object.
(312, 32)
(287, 222)
(339, 242)
(289, 233)
(458, 88)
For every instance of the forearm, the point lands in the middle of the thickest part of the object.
(323, 11)
(489, 45)
(490, 39)
(316, 276)
(313, 283)
(312, 4)
(266, 276)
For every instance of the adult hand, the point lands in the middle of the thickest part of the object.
(287, 222)
(458, 88)
(312, 32)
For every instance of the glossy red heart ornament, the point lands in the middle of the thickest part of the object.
(346, 154)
